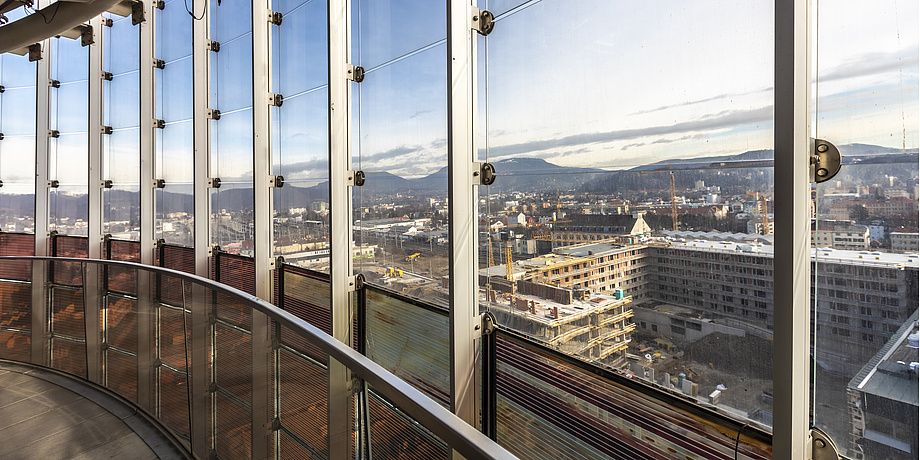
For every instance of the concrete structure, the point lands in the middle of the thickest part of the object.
(596, 327)
(840, 235)
(905, 241)
(883, 400)
(683, 325)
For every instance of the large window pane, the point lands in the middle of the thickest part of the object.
(865, 259)
(622, 228)
(400, 130)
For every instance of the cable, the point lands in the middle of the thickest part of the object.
(57, 7)
(738, 438)
(204, 11)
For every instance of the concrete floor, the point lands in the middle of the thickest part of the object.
(47, 415)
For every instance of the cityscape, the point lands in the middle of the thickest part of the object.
(674, 286)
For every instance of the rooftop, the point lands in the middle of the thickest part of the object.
(892, 373)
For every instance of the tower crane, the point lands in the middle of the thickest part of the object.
(670, 170)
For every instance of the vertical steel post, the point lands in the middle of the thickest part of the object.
(40, 350)
(791, 263)
(200, 398)
(92, 308)
(146, 320)
(340, 204)
(262, 215)
(462, 197)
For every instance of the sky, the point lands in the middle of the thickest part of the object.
(593, 83)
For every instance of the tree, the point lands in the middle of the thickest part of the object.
(859, 213)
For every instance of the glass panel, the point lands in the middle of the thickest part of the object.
(175, 152)
(68, 210)
(620, 228)
(865, 261)
(15, 314)
(393, 434)
(17, 149)
(175, 214)
(401, 142)
(389, 29)
(174, 31)
(411, 341)
(550, 406)
(300, 134)
(121, 216)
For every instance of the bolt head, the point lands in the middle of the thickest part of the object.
(822, 148)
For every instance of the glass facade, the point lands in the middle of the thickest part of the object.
(634, 232)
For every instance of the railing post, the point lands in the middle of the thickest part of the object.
(792, 143)
(40, 351)
(340, 204)
(262, 213)
(200, 398)
(146, 314)
(464, 283)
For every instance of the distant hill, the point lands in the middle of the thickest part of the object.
(515, 174)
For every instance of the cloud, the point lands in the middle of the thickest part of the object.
(701, 101)
(872, 64)
(722, 120)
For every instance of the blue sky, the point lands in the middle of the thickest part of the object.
(597, 83)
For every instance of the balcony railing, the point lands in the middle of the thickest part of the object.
(536, 401)
(224, 371)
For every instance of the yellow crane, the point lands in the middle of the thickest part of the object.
(509, 271)
(413, 257)
(670, 170)
(491, 255)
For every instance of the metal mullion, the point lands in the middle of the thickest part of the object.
(462, 194)
(262, 406)
(92, 292)
(41, 352)
(792, 144)
(200, 397)
(145, 309)
(340, 204)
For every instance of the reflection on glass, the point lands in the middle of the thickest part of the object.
(175, 214)
(609, 234)
(865, 270)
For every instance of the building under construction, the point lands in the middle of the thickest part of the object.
(592, 326)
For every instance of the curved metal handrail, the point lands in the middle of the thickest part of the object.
(459, 435)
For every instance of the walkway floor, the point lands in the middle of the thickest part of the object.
(47, 415)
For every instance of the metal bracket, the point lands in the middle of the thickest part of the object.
(160, 124)
(159, 63)
(214, 114)
(214, 182)
(107, 76)
(276, 181)
(86, 35)
(486, 325)
(355, 178)
(213, 249)
(55, 83)
(159, 183)
(160, 242)
(107, 183)
(106, 130)
(54, 133)
(137, 13)
(2, 89)
(35, 52)
(483, 21)
(483, 173)
(107, 22)
(822, 446)
(276, 424)
(271, 263)
(275, 99)
(1, 136)
(354, 73)
(356, 283)
(825, 161)
(214, 46)
(275, 17)
(160, 4)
